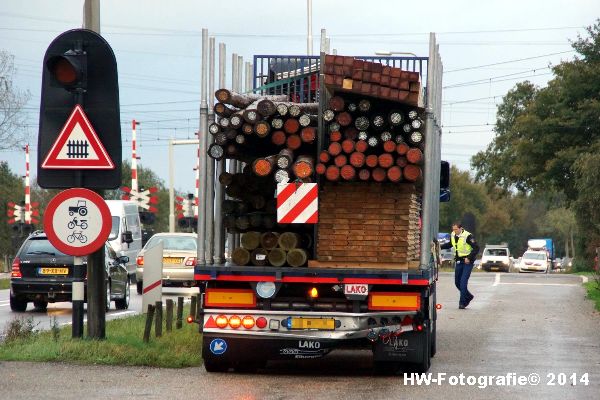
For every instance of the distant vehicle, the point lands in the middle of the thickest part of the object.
(546, 245)
(179, 259)
(42, 274)
(496, 258)
(446, 255)
(126, 231)
(535, 261)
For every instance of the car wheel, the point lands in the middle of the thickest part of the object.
(123, 304)
(17, 305)
(40, 305)
(140, 287)
(107, 295)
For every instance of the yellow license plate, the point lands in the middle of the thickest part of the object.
(172, 260)
(54, 271)
(327, 324)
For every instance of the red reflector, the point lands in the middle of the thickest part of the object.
(261, 322)
(438, 306)
(210, 323)
(190, 319)
(419, 327)
(140, 260)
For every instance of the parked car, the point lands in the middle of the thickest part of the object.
(42, 274)
(535, 261)
(179, 259)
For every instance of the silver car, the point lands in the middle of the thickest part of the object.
(179, 259)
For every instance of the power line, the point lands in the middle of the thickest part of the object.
(486, 80)
(509, 61)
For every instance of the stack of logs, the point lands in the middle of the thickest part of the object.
(276, 142)
(372, 79)
(368, 142)
(272, 248)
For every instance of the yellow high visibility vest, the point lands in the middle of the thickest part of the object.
(461, 246)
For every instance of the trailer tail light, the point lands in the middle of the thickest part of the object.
(248, 322)
(401, 301)
(438, 306)
(419, 328)
(261, 322)
(190, 262)
(190, 319)
(16, 269)
(222, 321)
(230, 298)
(313, 293)
(235, 321)
(140, 260)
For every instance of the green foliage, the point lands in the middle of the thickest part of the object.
(20, 330)
(4, 284)
(123, 346)
(547, 141)
(11, 190)
(593, 293)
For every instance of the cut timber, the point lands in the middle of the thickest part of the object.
(268, 240)
(289, 240)
(297, 257)
(244, 100)
(277, 257)
(240, 256)
(258, 257)
(250, 241)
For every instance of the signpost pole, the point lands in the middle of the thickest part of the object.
(78, 297)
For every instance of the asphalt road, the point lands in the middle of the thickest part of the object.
(521, 324)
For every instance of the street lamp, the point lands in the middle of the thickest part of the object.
(389, 53)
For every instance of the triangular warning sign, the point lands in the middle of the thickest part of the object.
(78, 146)
(210, 323)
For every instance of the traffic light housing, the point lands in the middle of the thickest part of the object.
(80, 68)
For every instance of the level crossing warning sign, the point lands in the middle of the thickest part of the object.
(78, 146)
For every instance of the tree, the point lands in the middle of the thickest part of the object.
(12, 100)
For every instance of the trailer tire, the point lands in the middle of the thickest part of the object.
(433, 339)
(387, 368)
(423, 366)
(212, 365)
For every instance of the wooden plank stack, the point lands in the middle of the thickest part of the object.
(372, 79)
(368, 225)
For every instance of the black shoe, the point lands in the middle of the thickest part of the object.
(470, 300)
(462, 307)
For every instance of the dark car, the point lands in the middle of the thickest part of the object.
(42, 274)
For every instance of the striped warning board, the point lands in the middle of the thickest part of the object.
(297, 203)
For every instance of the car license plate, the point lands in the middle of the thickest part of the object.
(54, 271)
(327, 324)
(172, 260)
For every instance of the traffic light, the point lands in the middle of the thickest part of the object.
(80, 68)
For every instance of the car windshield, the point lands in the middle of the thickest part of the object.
(114, 230)
(41, 246)
(495, 252)
(173, 242)
(534, 256)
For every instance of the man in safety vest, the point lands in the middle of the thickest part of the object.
(465, 251)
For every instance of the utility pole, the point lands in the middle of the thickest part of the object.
(96, 283)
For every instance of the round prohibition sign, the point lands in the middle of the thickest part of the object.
(77, 221)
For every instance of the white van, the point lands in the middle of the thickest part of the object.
(126, 231)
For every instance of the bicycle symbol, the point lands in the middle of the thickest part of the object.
(72, 224)
(77, 235)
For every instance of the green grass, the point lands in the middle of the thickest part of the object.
(4, 284)
(123, 346)
(593, 292)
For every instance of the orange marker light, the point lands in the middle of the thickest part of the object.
(190, 319)
(248, 322)
(438, 306)
(314, 293)
(221, 321)
(235, 321)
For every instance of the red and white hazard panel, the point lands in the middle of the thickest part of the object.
(297, 203)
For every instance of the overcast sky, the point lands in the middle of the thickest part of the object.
(158, 48)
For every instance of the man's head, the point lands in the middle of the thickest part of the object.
(457, 228)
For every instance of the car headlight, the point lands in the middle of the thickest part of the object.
(504, 262)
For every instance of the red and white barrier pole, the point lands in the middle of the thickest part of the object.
(197, 194)
(134, 180)
(27, 188)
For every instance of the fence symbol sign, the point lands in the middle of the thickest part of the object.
(78, 146)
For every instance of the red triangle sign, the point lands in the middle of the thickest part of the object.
(78, 146)
(210, 323)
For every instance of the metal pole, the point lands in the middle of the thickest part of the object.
(219, 249)
(323, 43)
(203, 139)
(240, 165)
(232, 167)
(78, 297)
(210, 163)
(429, 167)
(309, 37)
(91, 15)
(171, 189)
(234, 72)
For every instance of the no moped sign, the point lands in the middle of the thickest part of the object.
(77, 221)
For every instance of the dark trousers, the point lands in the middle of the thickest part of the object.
(462, 273)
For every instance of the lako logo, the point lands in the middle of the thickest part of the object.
(356, 289)
(308, 344)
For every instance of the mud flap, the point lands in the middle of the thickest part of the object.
(409, 347)
(233, 349)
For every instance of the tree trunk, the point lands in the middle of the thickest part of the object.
(243, 100)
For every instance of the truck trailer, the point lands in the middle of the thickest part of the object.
(361, 271)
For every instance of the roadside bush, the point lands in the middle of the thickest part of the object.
(581, 265)
(19, 329)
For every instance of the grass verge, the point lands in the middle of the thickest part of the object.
(593, 292)
(4, 284)
(123, 346)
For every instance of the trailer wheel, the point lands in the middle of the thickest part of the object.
(425, 363)
(214, 365)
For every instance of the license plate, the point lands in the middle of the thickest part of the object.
(314, 323)
(172, 260)
(54, 271)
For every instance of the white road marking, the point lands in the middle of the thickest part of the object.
(496, 279)
(538, 284)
